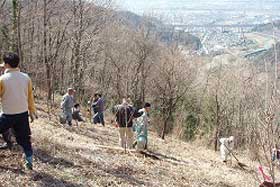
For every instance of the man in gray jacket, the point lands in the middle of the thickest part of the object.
(67, 105)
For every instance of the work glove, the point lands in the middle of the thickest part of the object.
(33, 116)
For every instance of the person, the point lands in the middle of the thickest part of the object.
(275, 154)
(124, 119)
(17, 100)
(98, 109)
(7, 135)
(76, 113)
(67, 105)
(227, 145)
(141, 127)
(94, 104)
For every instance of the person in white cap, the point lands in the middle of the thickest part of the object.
(227, 145)
(67, 105)
(141, 127)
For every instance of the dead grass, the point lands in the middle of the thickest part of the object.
(82, 156)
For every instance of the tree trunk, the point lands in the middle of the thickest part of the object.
(167, 119)
(15, 25)
(217, 132)
(19, 46)
(49, 81)
(45, 58)
(164, 129)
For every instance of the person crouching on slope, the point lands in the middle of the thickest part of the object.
(17, 101)
(76, 115)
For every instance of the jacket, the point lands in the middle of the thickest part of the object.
(98, 105)
(67, 103)
(125, 115)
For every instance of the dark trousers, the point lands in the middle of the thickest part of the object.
(20, 124)
(99, 118)
(77, 116)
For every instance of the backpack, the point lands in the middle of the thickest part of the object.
(123, 115)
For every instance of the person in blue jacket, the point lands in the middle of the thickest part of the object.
(141, 127)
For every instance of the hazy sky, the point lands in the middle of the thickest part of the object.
(150, 5)
(155, 4)
(141, 5)
(146, 6)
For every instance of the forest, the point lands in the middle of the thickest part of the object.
(92, 47)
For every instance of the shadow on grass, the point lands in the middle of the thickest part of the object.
(15, 170)
(94, 134)
(47, 180)
(44, 179)
(160, 156)
(45, 157)
(125, 173)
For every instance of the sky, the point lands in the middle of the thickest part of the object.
(150, 5)
(140, 5)
(146, 6)
(177, 10)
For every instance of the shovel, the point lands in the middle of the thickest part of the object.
(239, 163)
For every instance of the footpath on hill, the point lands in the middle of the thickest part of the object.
(89, 155)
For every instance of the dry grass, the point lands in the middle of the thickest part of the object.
(82, 156)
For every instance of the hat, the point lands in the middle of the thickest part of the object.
(71, 89)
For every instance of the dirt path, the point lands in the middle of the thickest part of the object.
(90, 156)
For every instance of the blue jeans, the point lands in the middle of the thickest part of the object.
(99, 118)
(68, 116)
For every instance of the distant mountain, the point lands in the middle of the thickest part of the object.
(267, 27)
(166, 33)
(135, 21)
(129, 18)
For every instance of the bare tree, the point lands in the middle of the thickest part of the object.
(174, 77)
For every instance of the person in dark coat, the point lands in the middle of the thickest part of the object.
(124, 119)
(98, 106)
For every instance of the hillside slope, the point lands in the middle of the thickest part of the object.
(89, 156)
(165, 33)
